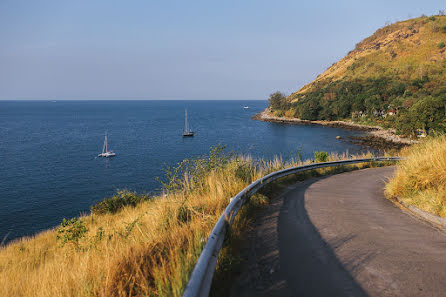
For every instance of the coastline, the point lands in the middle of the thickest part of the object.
(387, 136)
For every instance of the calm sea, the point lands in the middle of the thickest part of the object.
(48, 164)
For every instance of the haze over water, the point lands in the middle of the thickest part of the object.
(49, 169)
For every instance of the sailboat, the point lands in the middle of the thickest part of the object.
(105, 152)
(187, 130)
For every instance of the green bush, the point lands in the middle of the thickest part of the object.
(118, 201)
(71, 231)
(441, 45)
(194, 169)
(244, 171)
(320, 156)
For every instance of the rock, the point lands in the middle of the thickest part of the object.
(338, 137)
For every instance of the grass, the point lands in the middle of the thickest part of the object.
(421, 179)
(138, 246)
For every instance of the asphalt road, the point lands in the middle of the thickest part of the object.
(339, 236)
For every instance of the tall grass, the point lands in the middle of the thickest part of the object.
(421, 179)
(146, 248)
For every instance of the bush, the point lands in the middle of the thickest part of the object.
(320, 156)
(71, 231)
(189, 174)
(118, 201)
(245, 171)
(443, 29)
(441, 45)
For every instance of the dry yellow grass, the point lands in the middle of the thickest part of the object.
(421, 179)
(147, 250)
(404, 50)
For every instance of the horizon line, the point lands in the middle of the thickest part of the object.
(116, 99)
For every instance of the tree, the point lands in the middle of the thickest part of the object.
(277, 101)
(429, 113)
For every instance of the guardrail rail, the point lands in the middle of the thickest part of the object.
(201, 278)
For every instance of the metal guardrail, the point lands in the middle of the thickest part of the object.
(201, 278)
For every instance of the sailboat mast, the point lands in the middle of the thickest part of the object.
(106, 143)
(186, 128)
(103, 146)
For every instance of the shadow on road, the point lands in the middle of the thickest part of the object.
(308, 263)
(286, 256)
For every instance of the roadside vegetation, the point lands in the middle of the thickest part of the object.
(420, 180)
(135, 245)
(394, 78)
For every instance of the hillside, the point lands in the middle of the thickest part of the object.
(395, 78)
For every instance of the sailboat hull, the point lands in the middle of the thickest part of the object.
(107, 155)
(188, 134)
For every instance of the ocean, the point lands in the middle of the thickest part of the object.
(49, 169)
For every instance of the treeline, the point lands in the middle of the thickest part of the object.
(407, 106)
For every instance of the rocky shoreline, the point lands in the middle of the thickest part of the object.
(379, 138)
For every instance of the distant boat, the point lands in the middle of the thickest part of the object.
(245, 107)
(105, 152)
(187, 132)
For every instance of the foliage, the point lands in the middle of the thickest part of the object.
(190, 172)
(71, 231)
(117, 202)
(441, 44)
(321, 156)
(278, 101)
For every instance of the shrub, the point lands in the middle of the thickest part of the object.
(443, 29)
(118, 201)
(441, 45)
(245, 171)
(71, 231)
(320, 156)
(190, 173)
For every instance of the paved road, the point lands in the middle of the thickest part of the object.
(339, 236)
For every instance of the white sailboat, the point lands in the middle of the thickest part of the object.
(187, 132)
(105, 152)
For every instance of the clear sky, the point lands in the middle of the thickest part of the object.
(143, 49)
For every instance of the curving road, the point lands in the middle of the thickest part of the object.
(339, 236)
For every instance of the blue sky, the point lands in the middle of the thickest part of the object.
(142, 49)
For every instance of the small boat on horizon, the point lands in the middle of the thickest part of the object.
(245, 107)
(105, 152)
(187, 132)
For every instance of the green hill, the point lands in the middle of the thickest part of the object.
(395, 78)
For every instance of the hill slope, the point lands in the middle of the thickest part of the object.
(396, 78)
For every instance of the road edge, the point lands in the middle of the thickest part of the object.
(428, 217)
